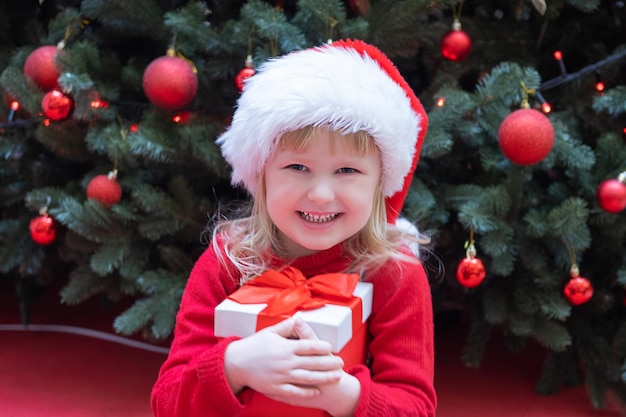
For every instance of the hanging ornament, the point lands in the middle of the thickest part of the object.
(455, 44)
(526, 136)
(578, 290)
(56, 105)
(611, 194)
(105, 189)
(247, 72)
(43, 228)
(470, 272)
(170, 82)
(41, 68)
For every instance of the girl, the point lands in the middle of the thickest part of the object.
(326, 141)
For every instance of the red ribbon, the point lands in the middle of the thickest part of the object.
(288, 291)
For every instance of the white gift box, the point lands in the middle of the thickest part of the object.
(332, 323)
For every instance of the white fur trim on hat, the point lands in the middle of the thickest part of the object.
(328, 86)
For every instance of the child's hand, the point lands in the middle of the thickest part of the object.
(283, 361)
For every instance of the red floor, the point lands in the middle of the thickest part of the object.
(45, 373)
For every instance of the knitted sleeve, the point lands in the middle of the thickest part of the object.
(192, 381)
(401, 379)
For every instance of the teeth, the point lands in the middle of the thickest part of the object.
(318, 219)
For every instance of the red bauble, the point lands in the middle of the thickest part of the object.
(526, 136)
(40, 66)
(43, 229)
(56, 105)
(578, 290)
(105, 189)
(170, 83)
(611, 195)
(455, 45)
(242, 76)
(470, 272)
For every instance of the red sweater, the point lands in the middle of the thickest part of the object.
(399, 382)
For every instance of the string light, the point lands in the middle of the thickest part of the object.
(134, 128)
(599, 83)
(441, 102)
(545, 106)
(558, 55)
(181, 117)
(99, 104)
(15, 106)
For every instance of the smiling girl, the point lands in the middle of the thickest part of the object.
(325, 141)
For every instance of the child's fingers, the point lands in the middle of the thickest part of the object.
(303, 330)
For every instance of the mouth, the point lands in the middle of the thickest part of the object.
(315, 218)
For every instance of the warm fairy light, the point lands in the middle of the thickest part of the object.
(599, 86)
(15, 106)
(546, 107)
(134, 127)
(99, 104)
(558, 55)
(46, 122)
(441, 102)
(181, 117)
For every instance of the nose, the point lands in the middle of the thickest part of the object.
(321, 190)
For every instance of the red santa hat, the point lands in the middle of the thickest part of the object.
(346, 86)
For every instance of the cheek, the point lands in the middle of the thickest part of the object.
(361, 199)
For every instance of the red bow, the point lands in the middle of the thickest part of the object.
(288, 291)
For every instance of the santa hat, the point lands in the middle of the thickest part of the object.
(346, 86)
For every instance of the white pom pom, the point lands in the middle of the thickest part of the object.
(409, 228)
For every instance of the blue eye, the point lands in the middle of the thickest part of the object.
(346, 170)
(297, 167)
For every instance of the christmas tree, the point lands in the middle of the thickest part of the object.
(110, 175)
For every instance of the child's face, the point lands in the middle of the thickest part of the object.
(322, 195)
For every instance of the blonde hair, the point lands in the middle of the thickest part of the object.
(249, 242)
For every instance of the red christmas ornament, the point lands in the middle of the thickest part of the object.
(43, 229)
(578, 290)
(170, 82)
(455, 44)
(611, 195)
(247, 72)
(526, 136)
(470, 272)
(56, 105)
(105, 189)
(40, 66)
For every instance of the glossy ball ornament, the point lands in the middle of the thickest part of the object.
(244, 74)
(56, 105)
(455, 44)
(170, 83)
(105, 189)
(578, 290)
(241, 77)
(470, 272)
(40, 67)
(43, 229)
(526, 136)
(611, 195)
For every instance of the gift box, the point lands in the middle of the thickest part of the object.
(336, 306)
